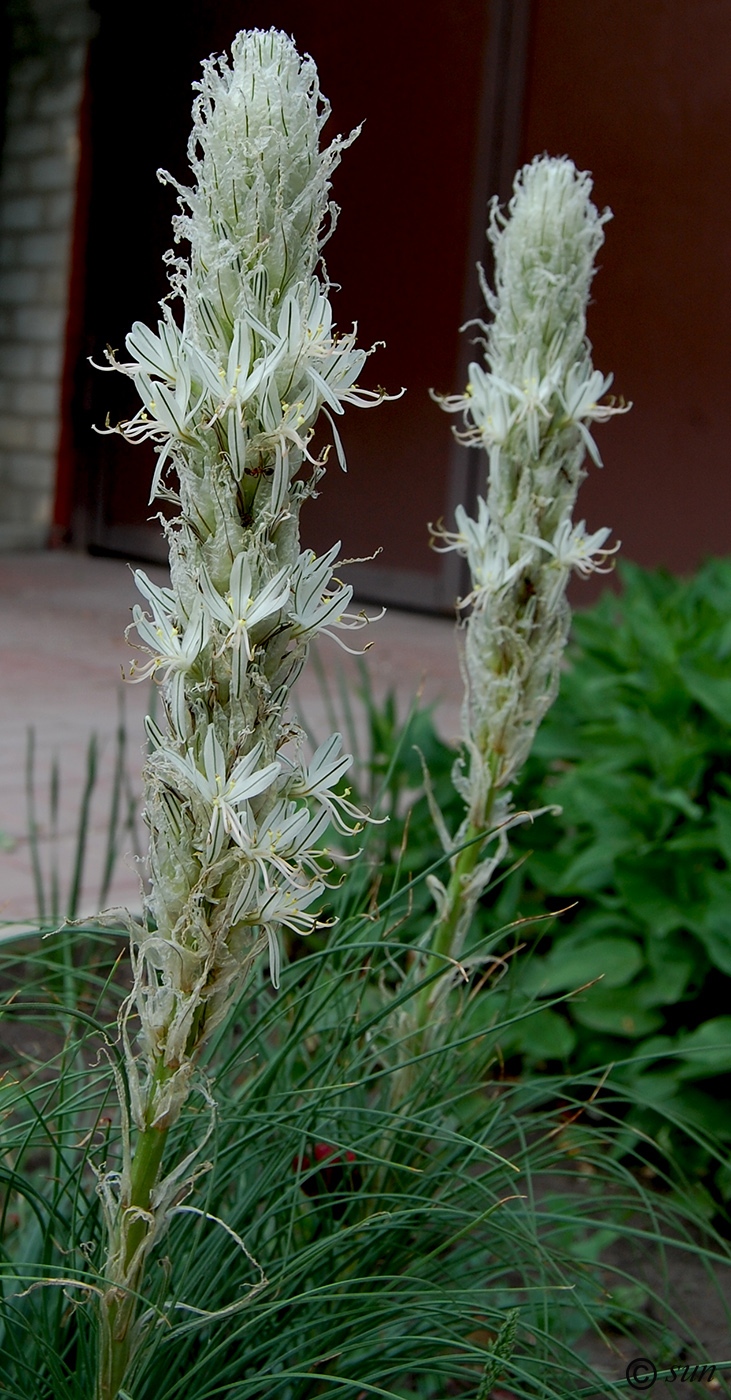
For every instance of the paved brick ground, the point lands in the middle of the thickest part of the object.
(62, 648)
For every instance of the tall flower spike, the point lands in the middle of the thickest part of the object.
(230, 394)
(530, 407)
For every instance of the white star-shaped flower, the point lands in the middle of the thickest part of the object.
(173, 649)
(242, 609)
(224, 794)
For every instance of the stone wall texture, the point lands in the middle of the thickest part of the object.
(37, 200)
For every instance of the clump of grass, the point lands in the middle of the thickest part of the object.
(56, 897)
(343, 1239)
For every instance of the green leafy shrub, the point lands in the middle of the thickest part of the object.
(637, 753)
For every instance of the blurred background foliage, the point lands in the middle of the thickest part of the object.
(635, 753)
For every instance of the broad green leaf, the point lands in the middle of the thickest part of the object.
(647, 888)
(671, 962)
(710, 685)
(545, 1036)
(566, 967)
(721, 830)
(712, 924)
(702, 1110)
(617, 1011)
(592, 869)
(707, 1050)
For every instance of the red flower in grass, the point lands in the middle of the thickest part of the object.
(338, 1176)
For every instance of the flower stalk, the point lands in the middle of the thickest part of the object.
(230, 398)
(530, 407)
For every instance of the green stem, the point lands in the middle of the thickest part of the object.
(442, 942)
(444, 936)
(447, 926)
(119, 1305)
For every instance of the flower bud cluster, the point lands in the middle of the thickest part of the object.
(230, 399)
(531, 407)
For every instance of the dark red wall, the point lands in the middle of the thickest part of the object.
(639, 92)
(412, 70)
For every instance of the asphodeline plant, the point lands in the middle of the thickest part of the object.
(530, 408)
(236, 817)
